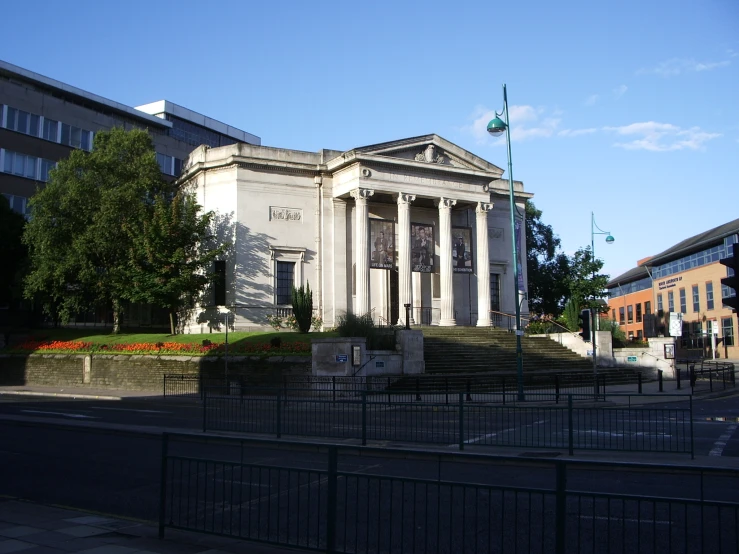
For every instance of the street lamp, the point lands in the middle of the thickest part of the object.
(496, 127)
(609, 240)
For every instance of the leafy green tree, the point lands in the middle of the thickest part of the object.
(13, 253)
(86, 222)
(571, 314)
(587, 286)
(172, 254)
(548, 267)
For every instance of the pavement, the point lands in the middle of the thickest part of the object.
(39, 529)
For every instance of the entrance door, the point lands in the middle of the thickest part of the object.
(394, 298)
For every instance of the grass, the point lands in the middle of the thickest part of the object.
(67, 340)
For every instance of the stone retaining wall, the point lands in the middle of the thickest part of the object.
(143, 373)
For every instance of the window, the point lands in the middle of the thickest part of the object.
(709, 295)
(495, 292)
(20, 164)
(727, 327)
(696, 299)
(659, 303)
(46, 166)
(630, 313)
(648, 307)
(639, 335)
(285, 282)
(76, 137)
(21, 121)
(51, 130)
(169, 165)
(683, 302)
(671, 301)
(219, 283)
(638, 313)
(621, 319)
(17, 203)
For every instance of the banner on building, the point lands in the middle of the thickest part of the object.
(422, 248)
(382, 244)
(462, 250)
(519, 249)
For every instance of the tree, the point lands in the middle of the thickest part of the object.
(302, 302)
(172, 254)
(13, 253)
(548, 268)
(97, 224)
(587, 286)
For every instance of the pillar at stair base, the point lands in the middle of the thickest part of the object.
(447, 322)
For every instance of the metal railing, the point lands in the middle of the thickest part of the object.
(432, 387)
(466, 420)
(717, 374)
(361, 500)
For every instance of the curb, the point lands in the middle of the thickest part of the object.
(60, 395)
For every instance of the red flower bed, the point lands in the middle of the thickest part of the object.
(239, 348)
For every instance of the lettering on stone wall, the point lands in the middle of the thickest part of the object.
(495, 233)
(285, 214)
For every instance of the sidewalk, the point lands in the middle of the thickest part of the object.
(35, 529)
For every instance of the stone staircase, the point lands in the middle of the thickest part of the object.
(490, 349)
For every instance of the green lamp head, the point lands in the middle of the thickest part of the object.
(609, 239)
(496, 127)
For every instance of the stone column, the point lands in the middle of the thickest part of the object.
(405, 295)
(445, 262)
(483, 264)
(361, 250)
(417, 297)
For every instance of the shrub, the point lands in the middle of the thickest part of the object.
(275, 342)
(303, 307)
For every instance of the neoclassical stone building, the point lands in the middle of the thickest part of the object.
(417, 221)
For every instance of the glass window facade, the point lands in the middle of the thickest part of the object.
(648, 307)
(670, 301)
(27, 166)
(628, 288)
(638, 313)
(195, 135)
(727, 330)
(630, 314)
(696, 299)
(683, 302)
(659, 303)
(707, 256)
(709, 295)
(621, 317)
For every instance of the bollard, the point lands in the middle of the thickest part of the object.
(556, 388)
(693, 377)
(639, 380)
(677, 374)
(469, 390)
(710, 378)
(503, 388)
(418, 390)
(659, 377)
(446, 386)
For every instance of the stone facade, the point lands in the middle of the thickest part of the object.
(345, 223)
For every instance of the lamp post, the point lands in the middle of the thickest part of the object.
(609, 240)
(496, 127)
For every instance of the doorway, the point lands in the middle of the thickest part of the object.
(394, 297)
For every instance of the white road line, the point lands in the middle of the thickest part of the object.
(130, 410)
(76, 416)
(628, 519)
(720, 444)
(489, 435)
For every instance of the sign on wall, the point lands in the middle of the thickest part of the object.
(462, 250)
(382, 243)
(422, 248)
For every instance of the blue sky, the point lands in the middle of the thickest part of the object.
(628, 109)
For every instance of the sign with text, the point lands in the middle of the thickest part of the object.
(342, 358)
(422, 248)
(631, 359)
(462, 250)
(382, 243)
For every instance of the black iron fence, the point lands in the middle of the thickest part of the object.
(356, 500)
(435, 387)
(464, 420)
(720, 375)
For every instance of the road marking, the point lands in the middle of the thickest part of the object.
(130, 410)
(720, 444)
(627, 519)
(65, 414)
(489, 435)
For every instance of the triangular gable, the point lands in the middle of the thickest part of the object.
(430, 149)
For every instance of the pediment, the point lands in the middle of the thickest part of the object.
(433, 150)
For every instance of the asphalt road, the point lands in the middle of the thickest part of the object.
(715, 422)
(384, 502)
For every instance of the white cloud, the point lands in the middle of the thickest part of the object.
(676, 66)
(618, 92)
(576, 132)
(527, 122)
(661, 137)
(591, 100)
